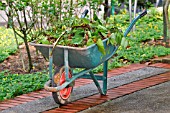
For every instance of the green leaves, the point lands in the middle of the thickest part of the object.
(83, 33)
(102, 28)
(44, 41)
(100, 46)
(2, 6)
(85, 20)
(90, 42)
(112, 39)
(13, 84)
(118, 37)
(124, 42)
(89, 34)
(77, 39)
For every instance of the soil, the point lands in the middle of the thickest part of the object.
(18, 62)
(158, 42)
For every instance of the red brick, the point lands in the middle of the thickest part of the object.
(46, 94)
(91, 102)
(111, 96)
(166, 75)
(38, 96)
(59, 110)
(80, 104)
(113, 93)
(7, 105)
(34, 93)
(3, 107)
(101, 100)
(163, 65)
(51, 111)
(75, 107)
(116, 92)
(15, 101)
(26, 97)
(22, 100)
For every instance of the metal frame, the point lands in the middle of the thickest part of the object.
(82, 74)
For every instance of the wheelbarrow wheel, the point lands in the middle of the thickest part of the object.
(63, 96)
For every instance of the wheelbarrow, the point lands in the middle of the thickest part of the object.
(67, 58)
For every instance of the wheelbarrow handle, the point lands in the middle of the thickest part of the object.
(134, 21)
(84, 13)
(143, 13)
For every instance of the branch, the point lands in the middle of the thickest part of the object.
(19, 22)
(13, 27)
(25, 19)
(55, 44)
(17, 32)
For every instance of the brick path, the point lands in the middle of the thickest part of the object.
(95, 99)
(111, 94)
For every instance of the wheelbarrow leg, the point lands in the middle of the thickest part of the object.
(96, 82)
(105, 68)
(103, 90)
(66, 64)
(51, 63)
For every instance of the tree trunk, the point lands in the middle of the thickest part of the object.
(166, 23)
(135, 7)
(28, 52)
(106, 9)
(130, 10)
(16, 39)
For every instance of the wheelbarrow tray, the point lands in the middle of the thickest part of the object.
(88, 57)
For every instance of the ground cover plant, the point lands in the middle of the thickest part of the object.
(138, 51)
(148, 28)
(8, 44)
(17, 84)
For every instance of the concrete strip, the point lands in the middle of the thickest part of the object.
(155, 99)
(86, 90)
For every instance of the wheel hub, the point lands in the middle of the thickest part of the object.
(66, 92)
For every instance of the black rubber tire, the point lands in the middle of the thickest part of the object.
(56, 95)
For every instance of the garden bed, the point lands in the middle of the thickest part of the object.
(14, 63)
(142, 48)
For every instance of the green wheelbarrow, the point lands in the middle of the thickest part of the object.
(67, 58)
